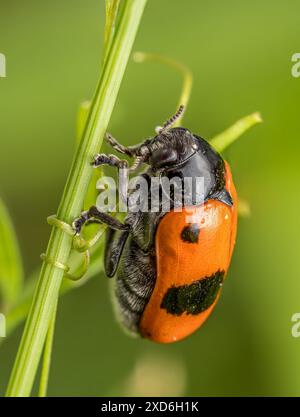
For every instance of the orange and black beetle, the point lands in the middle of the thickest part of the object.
(169, 272)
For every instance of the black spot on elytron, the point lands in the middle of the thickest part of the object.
(194, 298)
(191, 233)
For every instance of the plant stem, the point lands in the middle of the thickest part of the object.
(111, 8)
(20, 310)
(59, 246)
(47, 356)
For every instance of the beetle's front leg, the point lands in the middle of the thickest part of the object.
(121, 164)
(111, 160)
(127, 150)
(94, 213)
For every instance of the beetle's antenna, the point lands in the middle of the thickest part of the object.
(169, 123)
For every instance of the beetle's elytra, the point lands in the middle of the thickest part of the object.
(168, 271)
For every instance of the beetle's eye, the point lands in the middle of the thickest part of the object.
(163, 157)
(182, 150)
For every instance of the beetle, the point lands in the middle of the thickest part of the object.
(169, 266)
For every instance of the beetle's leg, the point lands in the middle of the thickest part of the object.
(130, 151)
(111, 160)
(114, 244)
(121, 164)
(94, 213)
(139, 152)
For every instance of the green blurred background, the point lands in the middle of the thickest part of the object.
(240, 55)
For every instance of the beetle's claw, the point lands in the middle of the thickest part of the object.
(77, 225)
(80, 221)
(95, 160)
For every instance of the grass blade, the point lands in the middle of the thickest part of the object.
(11, 269)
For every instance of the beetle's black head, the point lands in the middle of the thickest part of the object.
(176, 149)
(171, 148)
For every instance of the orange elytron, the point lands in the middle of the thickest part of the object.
(181, 263)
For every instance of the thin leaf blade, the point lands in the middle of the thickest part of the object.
(11, 269)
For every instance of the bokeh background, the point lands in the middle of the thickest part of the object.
(240, 55)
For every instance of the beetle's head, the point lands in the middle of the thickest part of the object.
(170, 148)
